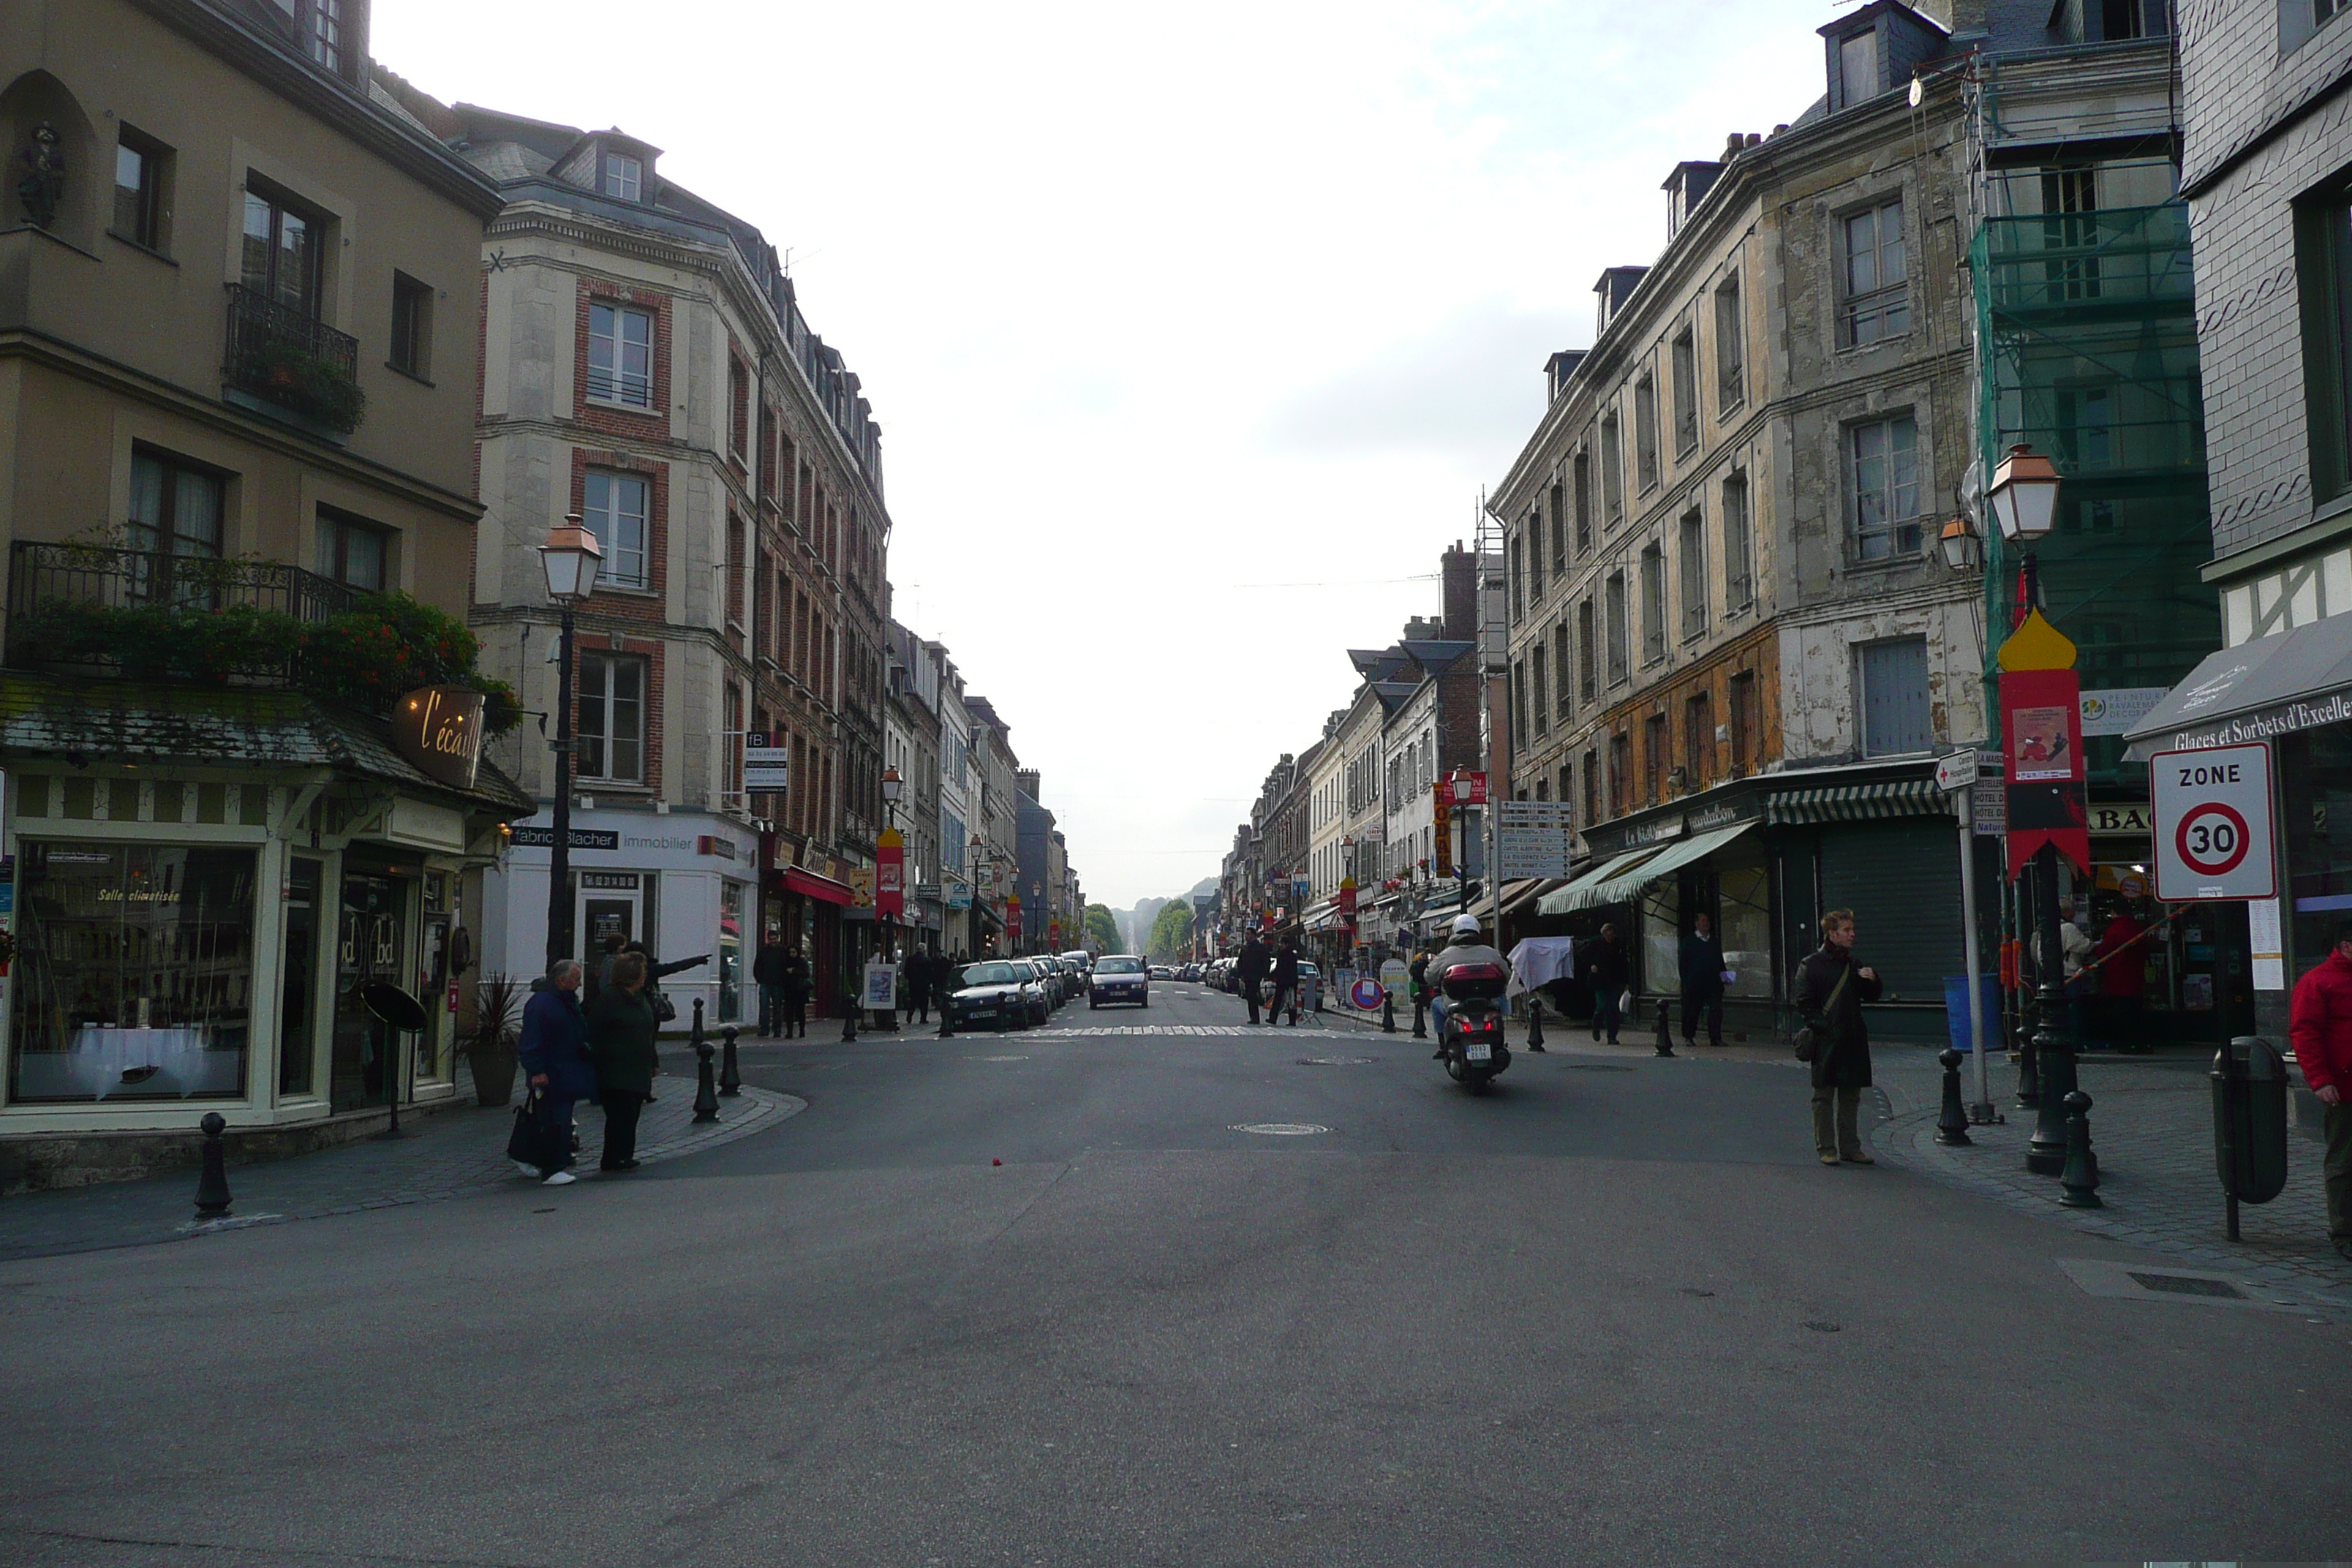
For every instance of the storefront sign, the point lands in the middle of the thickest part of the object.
(713, 844)
(890, 873)
(609, 881)
(2122, 817)
(958, 895)
(2116, 711)
(1989, 809)
(767, 767)
(2212, 836)
(1442, 804)
(1655, 831)
(579, 837)
(1469, 787)
(439, 729)
(860, 882)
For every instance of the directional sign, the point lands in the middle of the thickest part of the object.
(1957, 771)
(2212, 837)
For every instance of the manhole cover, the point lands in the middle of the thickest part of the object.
(1334, 1061)
(2186, 1285)
(1278, 1129)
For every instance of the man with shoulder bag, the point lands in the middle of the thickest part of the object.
(1828, 993)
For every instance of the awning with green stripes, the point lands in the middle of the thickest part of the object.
(1858, 802)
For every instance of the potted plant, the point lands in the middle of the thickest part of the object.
(490, 1048)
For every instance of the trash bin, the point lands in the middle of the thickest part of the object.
(1956, 1010)
(2249, 1119)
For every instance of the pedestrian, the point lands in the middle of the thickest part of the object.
(1250, 969)
(2122, 960)
(947, 976)
(2319, 1021)
(918, 981)
(664, 1008)
(1702, 976)
(768, 973)
(621, 1028)
(1608, 969)
(600, 969)
(1417, 987)
(795, 986)
(553, 1051)
(1285, 981)
(1828, 993)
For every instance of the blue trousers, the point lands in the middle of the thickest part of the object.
(1606, 1019)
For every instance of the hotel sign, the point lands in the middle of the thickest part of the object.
(439, 729)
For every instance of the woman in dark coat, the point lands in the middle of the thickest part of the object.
(621, 1031)
(1828, 993)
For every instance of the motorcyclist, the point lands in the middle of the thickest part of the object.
(1463, 946)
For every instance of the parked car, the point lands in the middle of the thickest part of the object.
(1049, 982)
(1119, 977)
(1161, 972)
(995, 994)
(1219, 974)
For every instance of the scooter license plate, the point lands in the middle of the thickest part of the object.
(1479, 1051)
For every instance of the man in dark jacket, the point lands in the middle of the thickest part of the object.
(1285, 981)
(1702, 972)
(1828, 993)
(2319, 1021)
(796, 983)
(768, 973)
(622, 1030)
(1606, 968)
(1250, 970)
(917, 978)
(553, 1050)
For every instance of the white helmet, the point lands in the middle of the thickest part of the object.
(1466, 925)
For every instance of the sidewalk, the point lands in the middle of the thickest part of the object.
(453, 1154)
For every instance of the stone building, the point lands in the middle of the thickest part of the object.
(236, 369)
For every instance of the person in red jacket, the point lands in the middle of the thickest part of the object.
(2320, 1024)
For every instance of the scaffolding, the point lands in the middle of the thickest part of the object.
(2086, 350)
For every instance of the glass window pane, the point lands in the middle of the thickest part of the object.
(1890, 245)
(636, 357)
(600, 351)
(1861, 255)
(1902, 436)
(257, 235)
(628, 718)
(146, 501)
(196, 514)
(297, 1006)
(592, 716)
(294, 262)
(364, 558)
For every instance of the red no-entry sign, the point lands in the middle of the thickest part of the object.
(2213, 824)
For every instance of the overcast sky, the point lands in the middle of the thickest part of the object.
(1194, 331)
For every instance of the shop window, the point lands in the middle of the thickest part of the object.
(354, 551)
(1895, 714)
(614, 507)
(1744, 918)
(133, 972)
(729, 958)
(612, 717)
(297, 1002)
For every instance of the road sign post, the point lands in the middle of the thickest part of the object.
(1955, 775)
(2212, 834)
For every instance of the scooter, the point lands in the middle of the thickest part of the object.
(1472, 1039)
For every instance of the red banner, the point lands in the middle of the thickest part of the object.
(2041, 720)
(891, 874)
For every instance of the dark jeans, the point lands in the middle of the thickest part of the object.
(1249, 990)
(1605, 1017)
(622, 1108)
(771, 1008)
(555, 1130)
(1842, 1135)
(796, 1014)
(1281, 993)
(2339, 1169)
(1707, 1002)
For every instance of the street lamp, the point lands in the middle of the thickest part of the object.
(2024, 497)
(892, 786)
(1960, 542)
(569, 558)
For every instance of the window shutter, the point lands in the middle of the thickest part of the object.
(1894, 698)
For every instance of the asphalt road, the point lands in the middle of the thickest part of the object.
(1613, 1312)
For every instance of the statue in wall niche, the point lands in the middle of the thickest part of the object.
(44, 175)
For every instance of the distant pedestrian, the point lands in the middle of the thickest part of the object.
(1417, 987)
(600, 969)
(620, 1034)
(2122, 959)
(916, 978)
(1828, 993)
(1702, 976)
(1285, 981)
(553, 1050)
(796, 983)
(1250, 969)
(2319, 1021)
(1608, 969)
(768, 973)
(947, 978)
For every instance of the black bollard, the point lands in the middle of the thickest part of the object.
(947, 1018)
(2080, 1177)
(1388, 1011)
(731, 1077)
(1535, 1024)
(1665, 1027)
(1419, 1019)
(849, 1021)
(1952, 1122)
(706, 1094)
(212, 1186)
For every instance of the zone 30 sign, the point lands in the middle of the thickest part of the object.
(2212, 835)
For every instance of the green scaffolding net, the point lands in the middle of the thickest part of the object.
(2087, 325)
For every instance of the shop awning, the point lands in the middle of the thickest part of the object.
(797, 880)
(2257, 690)
(1615, 886)
(1858, 802)
(1517, 895)
(1564, 900)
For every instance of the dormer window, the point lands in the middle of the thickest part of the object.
(624, 176)
(1858, 67)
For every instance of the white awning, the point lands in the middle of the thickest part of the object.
(1613, 885)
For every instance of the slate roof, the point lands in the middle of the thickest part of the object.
(106, 720)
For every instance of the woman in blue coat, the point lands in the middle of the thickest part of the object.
(554, 1054)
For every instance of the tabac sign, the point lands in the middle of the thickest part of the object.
(439, 729)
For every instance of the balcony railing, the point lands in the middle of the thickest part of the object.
(292, 361)
(152, 614)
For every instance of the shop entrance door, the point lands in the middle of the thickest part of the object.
(372, 935)
(611, 905)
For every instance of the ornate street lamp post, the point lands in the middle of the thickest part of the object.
(569, 558)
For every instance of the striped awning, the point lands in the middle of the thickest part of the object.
(1858, 802)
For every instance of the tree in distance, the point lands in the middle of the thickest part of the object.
(1102, 927)
(1170, 931)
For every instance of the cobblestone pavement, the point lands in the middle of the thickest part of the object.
(453, 1152)
(2152, 1128)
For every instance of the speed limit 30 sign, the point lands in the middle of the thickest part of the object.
(2213, 824)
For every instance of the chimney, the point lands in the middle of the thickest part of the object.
(1459, 571)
